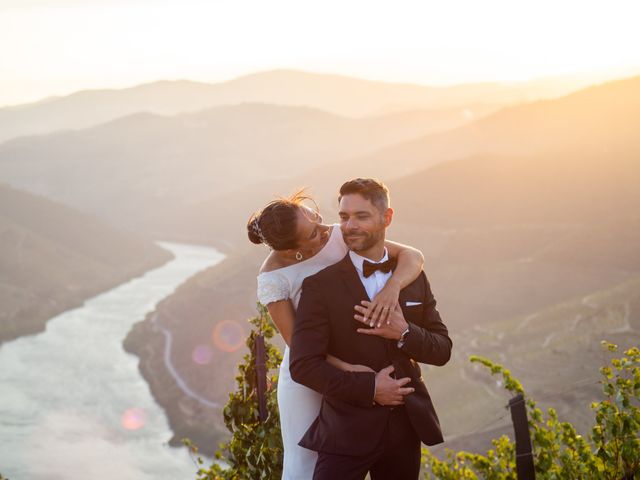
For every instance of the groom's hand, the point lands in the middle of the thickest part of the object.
(390, 391)
(392, 329)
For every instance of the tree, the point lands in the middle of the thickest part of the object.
(255, 449)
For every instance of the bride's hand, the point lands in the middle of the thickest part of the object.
(359, 368)
(347, 367)
(382, 305)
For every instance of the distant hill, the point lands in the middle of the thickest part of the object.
(594, 120)
(144, 164)
(52, 258)
(556, 354)
(483, 275)
(334, 93)
(576, 188)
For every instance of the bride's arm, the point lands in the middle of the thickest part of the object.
(410, 262)
(347, 367)
(283, 315)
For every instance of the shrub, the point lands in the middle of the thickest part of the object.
(612, 451)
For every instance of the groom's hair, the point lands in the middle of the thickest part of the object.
(373, 190)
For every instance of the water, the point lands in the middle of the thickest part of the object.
(73, 404)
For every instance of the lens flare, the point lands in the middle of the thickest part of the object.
(228, 336)
(202, 354)
(133, 419)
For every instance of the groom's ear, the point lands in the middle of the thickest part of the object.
(388, 216)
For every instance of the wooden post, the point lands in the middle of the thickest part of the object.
(524, 455)
(261, 374)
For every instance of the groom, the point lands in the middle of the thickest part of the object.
(368, 422)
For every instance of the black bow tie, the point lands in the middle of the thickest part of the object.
(369, 267)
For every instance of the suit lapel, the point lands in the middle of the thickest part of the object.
(402, 298)
(352, 280)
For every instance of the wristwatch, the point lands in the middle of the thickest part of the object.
(403, 337)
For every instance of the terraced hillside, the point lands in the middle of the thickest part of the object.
(555, 352)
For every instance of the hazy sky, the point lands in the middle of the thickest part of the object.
(50, 47)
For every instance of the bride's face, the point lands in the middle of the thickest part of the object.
(312, 233)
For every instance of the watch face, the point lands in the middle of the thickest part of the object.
(403, 337)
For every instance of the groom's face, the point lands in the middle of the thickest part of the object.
(363, 225)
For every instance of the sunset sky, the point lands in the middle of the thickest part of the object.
(54, 47)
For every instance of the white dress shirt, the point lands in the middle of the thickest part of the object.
(377, 280)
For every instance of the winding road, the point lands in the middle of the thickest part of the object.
(172, 369)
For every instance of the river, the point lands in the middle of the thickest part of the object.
(73, 404)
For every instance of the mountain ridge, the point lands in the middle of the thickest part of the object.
(339, 94)
(144, 162)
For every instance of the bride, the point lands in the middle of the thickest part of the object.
(302, 245)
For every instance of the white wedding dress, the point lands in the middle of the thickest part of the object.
(298, 405)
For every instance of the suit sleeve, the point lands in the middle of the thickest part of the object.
(309, 348)
(428, 342)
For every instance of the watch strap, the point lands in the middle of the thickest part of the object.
(403, 338)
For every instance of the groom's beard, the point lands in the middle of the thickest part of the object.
(359, 241)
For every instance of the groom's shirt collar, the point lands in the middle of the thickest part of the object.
(375, 282)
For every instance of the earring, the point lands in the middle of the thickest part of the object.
(298, 255)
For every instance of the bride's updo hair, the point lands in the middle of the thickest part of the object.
(276, 224)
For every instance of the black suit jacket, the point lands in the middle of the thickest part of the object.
(349, 423)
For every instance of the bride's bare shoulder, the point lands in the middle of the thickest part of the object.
(272, 262)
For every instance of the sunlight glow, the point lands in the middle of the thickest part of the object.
(57, 47)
